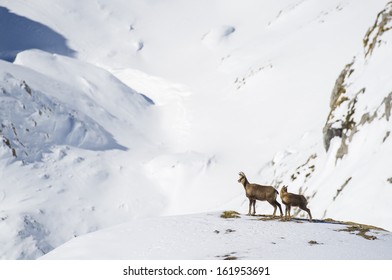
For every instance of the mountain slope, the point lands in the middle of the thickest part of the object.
(64, 173)
(151, 108)
(347, 168)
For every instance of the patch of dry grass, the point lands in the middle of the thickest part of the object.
(355, 228)
(361, 230)
(230, 215)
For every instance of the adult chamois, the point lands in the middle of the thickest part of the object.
(259, 192)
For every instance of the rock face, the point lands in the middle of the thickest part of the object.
(362, 92)
(374, 35)
(330, 131)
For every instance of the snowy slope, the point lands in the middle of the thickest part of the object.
(348, 168)
(208, 236)
(33, 122)
(64, 173)
(151, 108)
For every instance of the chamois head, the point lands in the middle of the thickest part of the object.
(242, 177)
(284, 189)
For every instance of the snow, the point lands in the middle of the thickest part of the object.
(208, 236)
(30, 34)
(127, 114)
(36, 122)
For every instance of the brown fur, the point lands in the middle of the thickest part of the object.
(258, 192)
(296, 200)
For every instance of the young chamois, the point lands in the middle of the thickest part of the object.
(258, 192)
(291, 199)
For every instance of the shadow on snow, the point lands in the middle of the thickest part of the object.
(18, 33)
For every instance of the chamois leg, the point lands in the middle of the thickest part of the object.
(287, 213)
(307, 210)
(274, 204)
(254, 207)
(280, 208)
(252, 202)
(273, 214)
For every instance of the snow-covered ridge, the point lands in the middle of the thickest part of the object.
(32, 123)
(212, 236)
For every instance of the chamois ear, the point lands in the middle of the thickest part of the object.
(241, 174)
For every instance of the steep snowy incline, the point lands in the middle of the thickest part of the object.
(91, 90)
(346, 171)
(69, 103)
(31, 123)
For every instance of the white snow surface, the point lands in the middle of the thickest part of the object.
(208, 236)
(117, 116)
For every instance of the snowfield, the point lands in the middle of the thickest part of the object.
(209, 236)
(124, 119)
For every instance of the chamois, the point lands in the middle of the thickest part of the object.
(291, 199)
(258, 192)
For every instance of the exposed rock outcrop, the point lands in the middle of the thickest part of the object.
(357, 98)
